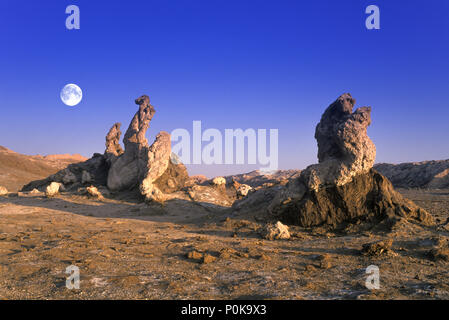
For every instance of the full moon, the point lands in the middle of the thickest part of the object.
(71, 94)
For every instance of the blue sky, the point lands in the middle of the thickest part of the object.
(231, 64)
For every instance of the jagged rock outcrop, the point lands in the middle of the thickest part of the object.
(344, 148)
(426, 174)
(113, 147)
(369, 197)
(138, 167)
(52, 189)
(343, 187)
(276, 231)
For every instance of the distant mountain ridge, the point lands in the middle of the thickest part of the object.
(17, 169)
(427, 174)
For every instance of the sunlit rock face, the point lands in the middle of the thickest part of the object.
(344, 148)
(113, 147)
(140, 164)
(343, 187)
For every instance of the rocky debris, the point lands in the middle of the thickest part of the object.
(275, 231)
(343, 187)
(264, 257)
(210, 196)
(94, 193)
(35, 191)
(52, 189)
(427, 174)
(3, 191)
(207, 258)
(440, 250)
(198, 179)
(377, 248)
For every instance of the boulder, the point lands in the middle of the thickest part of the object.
(140, 167)
(69, 177)
(3, 191)
(113, 147)
(52, 189)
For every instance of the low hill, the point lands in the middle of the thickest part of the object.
(426, 174)
(17, 169)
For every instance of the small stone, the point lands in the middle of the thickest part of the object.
(275, 231)
(264, 257)
(207, 258)
(438, 254)
(377, 248)
(194, 255)
(94, 193)
(218, 181)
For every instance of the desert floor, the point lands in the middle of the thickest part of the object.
(126, 251)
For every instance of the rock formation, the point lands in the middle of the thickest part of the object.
(140, 164)
(138, 167)
(343, 187)
(3, 191)
(113, 147)
(344, 148)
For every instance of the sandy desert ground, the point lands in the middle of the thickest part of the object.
(127, 250)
